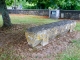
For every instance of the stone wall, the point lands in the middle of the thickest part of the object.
(41, 12)
(41, 34)
(63, 14)
(54, 14)
(70, 14)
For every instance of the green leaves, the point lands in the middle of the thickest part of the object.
(54, 4)
(9, 2)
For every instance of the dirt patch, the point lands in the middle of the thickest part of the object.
(15, 37)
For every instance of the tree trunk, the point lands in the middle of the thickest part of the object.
(5, 14)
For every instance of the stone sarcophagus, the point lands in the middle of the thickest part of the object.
(41, 34)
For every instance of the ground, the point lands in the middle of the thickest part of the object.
(14, 39)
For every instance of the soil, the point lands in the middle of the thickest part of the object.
(15, 37)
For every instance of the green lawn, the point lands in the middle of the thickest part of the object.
(1, 21)
(28, 19)
(77, 26)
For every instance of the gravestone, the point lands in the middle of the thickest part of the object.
(54, 14)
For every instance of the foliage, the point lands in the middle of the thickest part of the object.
(68, 4)
(27, 5)
(55, 4)
(9, 2)
(45, 4)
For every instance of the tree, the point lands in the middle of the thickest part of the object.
(4, 12)
(42, 4)
(62, 4)
(5, 15)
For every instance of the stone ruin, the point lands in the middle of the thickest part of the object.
(41, 34)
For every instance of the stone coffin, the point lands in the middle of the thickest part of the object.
(41, 34)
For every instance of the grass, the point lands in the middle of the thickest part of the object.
(1, 21)
(72, 52)
(8, 54)
(77, 26)
(28, 19)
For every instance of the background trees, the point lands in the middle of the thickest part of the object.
(9, 2)
(45, 4)
(69, 4)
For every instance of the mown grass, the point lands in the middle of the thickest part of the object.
(28, 19)
(1, 22)
(77, 26)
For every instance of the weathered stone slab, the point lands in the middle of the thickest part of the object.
(41, 34)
